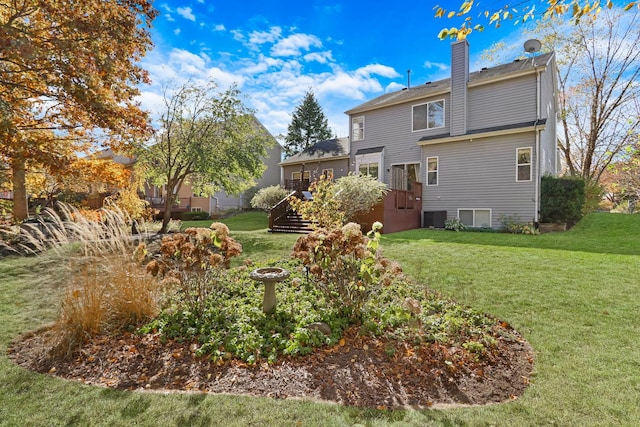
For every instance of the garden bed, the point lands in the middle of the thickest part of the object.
(359, 371)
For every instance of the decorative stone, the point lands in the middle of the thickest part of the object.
(269, 276)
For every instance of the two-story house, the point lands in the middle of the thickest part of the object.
(479, 142)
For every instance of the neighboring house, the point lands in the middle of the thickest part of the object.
(329, 158)
(478, 142)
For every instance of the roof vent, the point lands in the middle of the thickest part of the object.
(428, 83)
(532, 46)
(483, 69)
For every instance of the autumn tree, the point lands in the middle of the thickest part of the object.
(308, 126)
(77, 176)
(519, 12)
(207, 138)
(599, 94)
(68, 77)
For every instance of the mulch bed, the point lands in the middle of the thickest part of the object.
(360, 371)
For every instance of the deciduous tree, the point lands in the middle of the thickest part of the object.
(599, 93)
(308, 126)
(68, 77)
(207, 138)
(520, 11)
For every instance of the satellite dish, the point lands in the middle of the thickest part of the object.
(532, 46)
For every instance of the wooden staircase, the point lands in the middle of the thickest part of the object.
(283, 219)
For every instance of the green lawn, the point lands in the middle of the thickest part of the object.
(573, 295)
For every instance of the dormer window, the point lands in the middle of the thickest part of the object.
(357, 128)
(428, 116)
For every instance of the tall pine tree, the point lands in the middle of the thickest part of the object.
(308, 126)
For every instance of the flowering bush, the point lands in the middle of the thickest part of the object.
(194, 260)
(345, 264)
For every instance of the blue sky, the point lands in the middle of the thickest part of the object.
(346, 52)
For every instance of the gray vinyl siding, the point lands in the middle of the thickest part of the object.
(548, 138)
(502, 103)
(459, 79)
(271, 175)
(391, 128)
(481, 175)
(340, 168)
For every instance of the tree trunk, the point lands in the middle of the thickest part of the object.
(18, 170)
(168, 208)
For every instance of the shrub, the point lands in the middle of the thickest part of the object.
(454, 224)
(346, 265)
(512, 224)
(562, 199)
(268, 197)
(336, 203)
(193, 261)
(194, 216)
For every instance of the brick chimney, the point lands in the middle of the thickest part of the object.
(459, 80)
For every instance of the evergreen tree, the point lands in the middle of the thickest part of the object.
(308, 126)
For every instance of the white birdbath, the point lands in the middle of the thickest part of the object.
(269, 276)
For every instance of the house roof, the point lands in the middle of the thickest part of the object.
(485, 75)
(322, 150)
(369, 150)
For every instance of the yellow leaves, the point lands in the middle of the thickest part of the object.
(627, 7)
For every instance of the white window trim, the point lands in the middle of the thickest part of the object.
(444, 118)
(404, 164)
(372, 158)
(354, 120)
(530, 164)
(307, 173)
(329, 170)
(474, 215)
(437, 171)
(196, 209)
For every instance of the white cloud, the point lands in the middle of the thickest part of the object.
(294, 44)
(176, 31)
(393, 86)
(437, 65)
(273, 72)
(261, 37)
(320, 57)
(219, 27)
(378, 69)
(169, 18)
(186, 13)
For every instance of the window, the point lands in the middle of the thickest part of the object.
(432, 171)
(403, 176)
(297, 176)
(327, 174)
(370, 169)
(196, 209)
(357, 128)
(523, 164)
(475, 217)
(428, 116)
